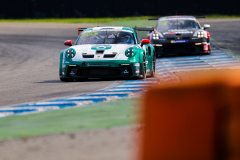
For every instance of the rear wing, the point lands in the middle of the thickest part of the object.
(80, 30)
(200, 17)
(143, 29)
(154, 19)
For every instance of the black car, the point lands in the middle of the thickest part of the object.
(175, 35)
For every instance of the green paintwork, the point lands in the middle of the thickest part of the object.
(70, 53)
(139, 53)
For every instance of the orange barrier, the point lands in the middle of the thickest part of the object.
(199, 120)
(234, 118)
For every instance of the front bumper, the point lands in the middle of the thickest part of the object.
(100, 70)
(191, 47)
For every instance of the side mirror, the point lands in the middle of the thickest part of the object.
(145, 42)
(206, 26)
(68, 43)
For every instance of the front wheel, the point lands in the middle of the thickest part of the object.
(153, 66)
(67, 79)
(144, 75)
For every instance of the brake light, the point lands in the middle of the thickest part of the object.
(154, 30)
(209, 48)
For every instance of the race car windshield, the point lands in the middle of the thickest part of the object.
(177, 24)
(106, 37)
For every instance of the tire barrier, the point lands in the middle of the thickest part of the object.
(196, 120)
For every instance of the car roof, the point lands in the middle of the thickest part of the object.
(110, 28)
(178, 17)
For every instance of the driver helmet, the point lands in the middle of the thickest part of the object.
(188, 24)
(127, 39)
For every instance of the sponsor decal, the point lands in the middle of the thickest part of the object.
(125, 72)
(148, 70)
(72, 73)
(163, 23)
(179, 41)
(97, 65)
(178, 32)
(87, 34)
(136, 68)
(101, 47)
(98, 56)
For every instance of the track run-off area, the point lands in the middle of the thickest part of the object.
(165, 68)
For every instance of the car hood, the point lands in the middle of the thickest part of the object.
(178, 32)
(91, 49)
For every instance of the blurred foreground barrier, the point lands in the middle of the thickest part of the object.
(199, 120)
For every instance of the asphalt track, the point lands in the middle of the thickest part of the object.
(29, 60)
(29, 55)
(225, 31)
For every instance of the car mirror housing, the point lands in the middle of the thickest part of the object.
(145, 42)
(206, 26)
(68, 43)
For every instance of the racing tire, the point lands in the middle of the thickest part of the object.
(153, 67)
(67, 79)
(144, 74)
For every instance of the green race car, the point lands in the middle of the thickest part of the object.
(108, 52)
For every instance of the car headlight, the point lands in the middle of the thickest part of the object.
(201, 34)
(70, 53)
(130, 52)
(157, 36)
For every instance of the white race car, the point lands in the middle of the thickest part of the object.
(101, 52)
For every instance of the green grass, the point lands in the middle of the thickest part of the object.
(102, 115)
(98, 20)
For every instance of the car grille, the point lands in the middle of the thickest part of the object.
(169, 39)
(179, 49)
(99, 52)
(186, 38)
(88, 56)
(109, 55)
(98, 72)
